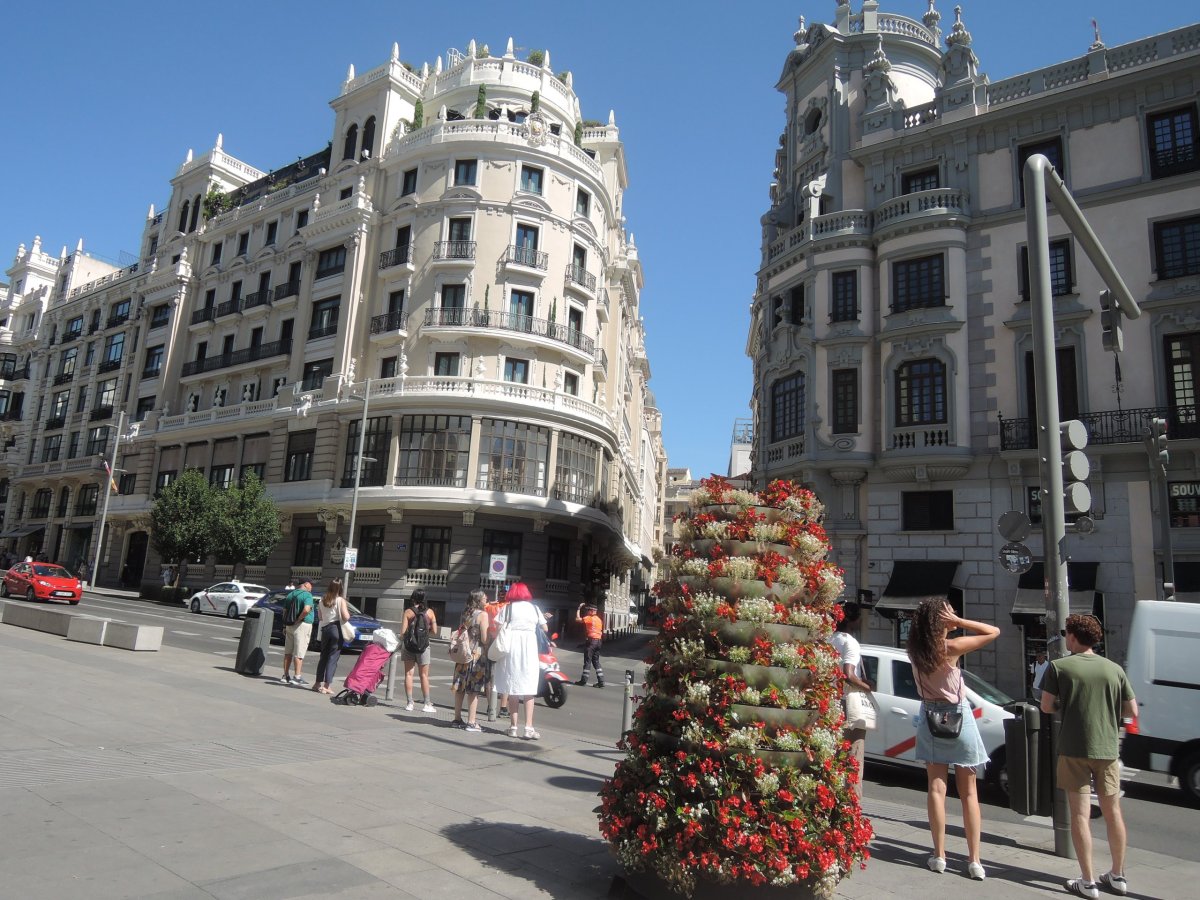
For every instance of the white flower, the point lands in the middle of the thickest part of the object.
(767, 784)
(744, 738)
(741, 568)
(697, 692)
(756, 609)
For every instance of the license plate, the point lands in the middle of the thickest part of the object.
(64, 593)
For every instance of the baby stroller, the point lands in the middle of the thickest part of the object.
(368, 671)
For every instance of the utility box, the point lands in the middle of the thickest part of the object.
(255, 640)
(1027, 750)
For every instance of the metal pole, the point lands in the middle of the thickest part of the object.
(362, 437)
(391, 679)
(107, 495)
(1164, 525)
(627, 705)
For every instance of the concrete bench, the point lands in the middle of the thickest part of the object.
(37, 618)
(133, 637)
(87, 630)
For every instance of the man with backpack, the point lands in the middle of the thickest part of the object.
(297, 630)
(419, 624)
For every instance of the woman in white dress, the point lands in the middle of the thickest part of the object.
(517, 674)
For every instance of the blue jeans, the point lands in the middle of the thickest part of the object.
(331, 651)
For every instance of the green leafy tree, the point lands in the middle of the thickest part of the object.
(578, 134)
(216, 202)
(180, 519)
(535, 102)
(481, 103)
(245, 524)
(536, 57)
(418, 119)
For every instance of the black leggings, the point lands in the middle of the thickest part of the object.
(331, 651)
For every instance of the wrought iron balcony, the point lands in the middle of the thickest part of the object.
(1108, 427)
(528, 256)
(11, 415)
(399, 256)
(602, 359)
(582, 277)
(108, 365)
(258, 298)
(250, 354)
(85, 509)
(229, 307)
(392, 321)
(287, 289)
(63, 378)
(100, 413)
(454, 250)
(412, 479)
(12, 373)
(71, 336)
(477, 318)
(119, 319)
(511, 482)
(204, 315)
(322, 330)
(55, 423)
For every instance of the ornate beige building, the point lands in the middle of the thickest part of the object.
(891, 332)
(453, 270)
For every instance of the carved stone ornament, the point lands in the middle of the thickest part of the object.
(396, 512)
(538, 129)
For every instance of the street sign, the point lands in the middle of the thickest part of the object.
(351, 561)
(1016, 558)
(1014, 525)
(498, 568)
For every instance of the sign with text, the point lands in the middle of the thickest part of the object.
(351, 561)
(498, 567)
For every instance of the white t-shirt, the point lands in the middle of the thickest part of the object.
(847, 647)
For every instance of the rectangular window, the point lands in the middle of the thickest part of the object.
(272, 234)
(370, 546)
(387, 367)
(434, 450)
(59, 406)
(243, 243)
(1062, 281)
(454, 296)
(221, 477)
(531, 179)
(106, 393)
(73, 445)
(51, 447)
(527, 238)
(1172, 139)
(310, 546)
(85, 503)
(218, 249)
(324, 318)
(844, 296)
(145, 406)
(458, 232)
(924, 180)
(64, 501)
(66, 363)
(464, 171)
(1068, 384)
(921, 393)
(571, 384)
(409, 185)
(258, 470)
(298, 462)
(796, 305)
(927, 510)
(165, 477)
(81, 399)
(445, 365)
(301, 218)
(154, 359)
(1182, 356)
(1051, 149)
(845, 401)
(331, 262)
(918, 283)
(344, 193)
(127, 483)
(160, 315)
(89, 353)
(575, 469)
(516, 370)
(1177, 247)
(430, 548)
(787, 407)
(503, 543)
(583, 202)
(513, 457)
(377, 444)
(558, 558)
(315, 374)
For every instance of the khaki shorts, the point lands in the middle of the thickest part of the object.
(296, 638)
(1075, 774)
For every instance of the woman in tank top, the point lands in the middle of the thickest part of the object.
(934, 656)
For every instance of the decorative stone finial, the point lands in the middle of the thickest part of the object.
(79, 246)
(424, 70)
(798, 35)
(437, 66)
(879, 61)
(37, 244)
(570, 81)
(958, 34)
(1097, 43)
(220, 141)
(150, 214)
(931, 17)
(612, 118)
(188, 159)
(471, 48)
(546, 60)
(395, 51)
(20, 251)
(508, 49)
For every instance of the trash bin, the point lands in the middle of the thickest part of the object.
(1027, 748)
(256, 638)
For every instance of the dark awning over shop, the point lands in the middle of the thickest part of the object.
(913, 580)
(21, 530)
(1082, 599)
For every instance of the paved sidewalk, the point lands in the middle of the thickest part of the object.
(166, 775)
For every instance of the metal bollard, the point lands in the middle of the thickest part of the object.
(391, 679)
(627, 704)
(492, 698)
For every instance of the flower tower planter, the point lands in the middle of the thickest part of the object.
(736, 780)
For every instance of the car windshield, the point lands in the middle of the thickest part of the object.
(988, 692)
(255, 589)
(51, 571)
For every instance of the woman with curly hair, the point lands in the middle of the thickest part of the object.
(939, 680)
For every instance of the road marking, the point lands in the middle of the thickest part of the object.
(134, 611)
(218, 637)
(187, 633)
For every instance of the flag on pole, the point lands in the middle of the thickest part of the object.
(111, 481)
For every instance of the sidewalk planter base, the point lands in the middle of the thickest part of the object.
(649, 886)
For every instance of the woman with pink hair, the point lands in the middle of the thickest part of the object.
(517, 673)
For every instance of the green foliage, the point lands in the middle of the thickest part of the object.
(578, 134)
(535, 102)
(592, 123)
(418, 119)
(554, 310)
(536, 57)
(481, 103)
(245, 527)
(483, 52)
(562, 76)
(216, 202)
(181, 519)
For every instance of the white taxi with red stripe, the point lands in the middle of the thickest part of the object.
(229, 598)
(894, 739)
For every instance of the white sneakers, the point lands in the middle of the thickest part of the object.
(1083, 888)
(1115, 883)
(408, 706)
(936, 864)
(975, 870)
(429, 707)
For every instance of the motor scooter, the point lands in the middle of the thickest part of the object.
(553, 685)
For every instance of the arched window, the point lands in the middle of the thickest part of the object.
(351, 142)
(921, 393)
(368, 141)
(787, 407)
(195, 214)
(183, 215)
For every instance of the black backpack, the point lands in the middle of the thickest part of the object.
(291, 609)
(416, 639)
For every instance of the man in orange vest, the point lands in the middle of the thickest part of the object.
(593, 627)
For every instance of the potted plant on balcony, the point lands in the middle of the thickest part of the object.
(481, 102)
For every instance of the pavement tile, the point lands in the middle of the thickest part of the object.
(321, 876)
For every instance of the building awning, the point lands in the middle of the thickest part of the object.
(21, 530)
(1030, 600)
(77, 526)
(1187, 582)
(913, 580)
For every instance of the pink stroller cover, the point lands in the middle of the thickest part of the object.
(368, 671)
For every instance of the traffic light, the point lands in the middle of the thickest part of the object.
(1111, 332)
(1077, 496)
(1157, 441)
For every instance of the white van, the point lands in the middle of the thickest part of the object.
(1163, 666)
(894, 737)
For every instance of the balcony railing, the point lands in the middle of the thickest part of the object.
(108, 365)
(204, 315)
(151, 373)
(258, 298)
(454, 250)
(392, 321)
(13, 373)
(1108, 427)
(56, 423)
(229, 307)
(10, 415)
(582, 277)
(85, 509)
(477, 318)
(100, 413)
(71, 336)
(457, 480)
(602, 359)
(63, 378)
(322, 331)
(511, 483)
(287, 289)
(920, 437)
(250, 354)
(119, 319)
(399, 256)
(528, 256)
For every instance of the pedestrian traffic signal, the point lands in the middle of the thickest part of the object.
(1077, 496)
(1111, 332)
(1158, 441)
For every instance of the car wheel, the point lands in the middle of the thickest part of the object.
(195, 604)
(4, 589)
(231, 610)
(31, 596)
(1189, 777)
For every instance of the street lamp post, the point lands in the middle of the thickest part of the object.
(107, 495)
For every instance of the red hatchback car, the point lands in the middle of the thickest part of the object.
(41, 581)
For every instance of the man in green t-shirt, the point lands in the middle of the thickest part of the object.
(296, 635)
(1092, 695)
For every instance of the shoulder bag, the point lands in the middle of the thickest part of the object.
(942, 721)
(860, 709)
(501, 646)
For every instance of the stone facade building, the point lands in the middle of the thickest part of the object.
(452, 271)
(891, 333)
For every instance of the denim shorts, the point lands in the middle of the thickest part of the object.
(966, 750)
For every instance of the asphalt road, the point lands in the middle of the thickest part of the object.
(1156, 815)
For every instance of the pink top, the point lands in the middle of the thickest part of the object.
(944, 684)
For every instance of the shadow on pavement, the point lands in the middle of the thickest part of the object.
(906, 853)
(576, 783)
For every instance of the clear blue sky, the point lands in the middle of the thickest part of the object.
(103, 100)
